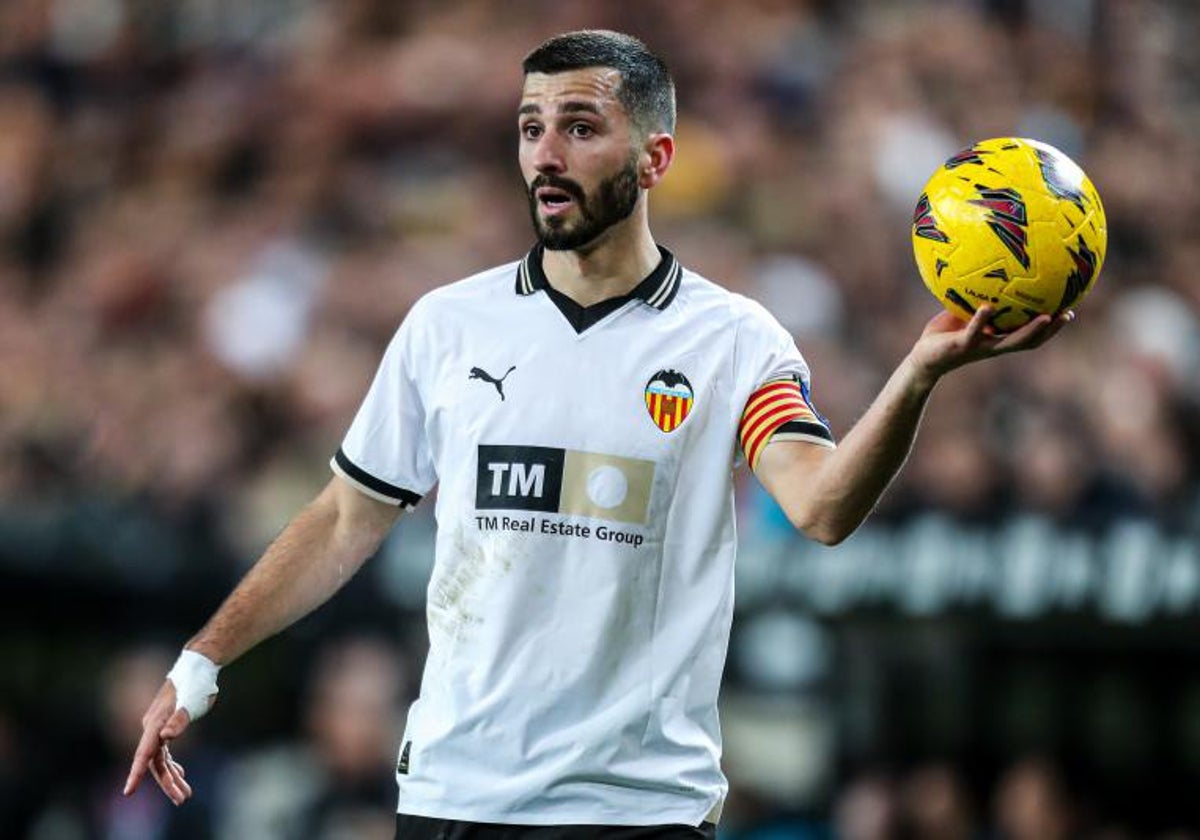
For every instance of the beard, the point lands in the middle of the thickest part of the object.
(613, 202)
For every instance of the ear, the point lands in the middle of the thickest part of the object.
(657, 153)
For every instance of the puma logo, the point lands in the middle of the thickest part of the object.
(480, 373)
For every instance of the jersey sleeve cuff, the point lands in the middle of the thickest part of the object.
(805, 430)
(369, 485)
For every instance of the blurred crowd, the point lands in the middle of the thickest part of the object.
(332, 779)
(213, 215)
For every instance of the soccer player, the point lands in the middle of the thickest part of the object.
(581, 411)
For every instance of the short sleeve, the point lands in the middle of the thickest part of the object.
(780, 406)
(386, 452)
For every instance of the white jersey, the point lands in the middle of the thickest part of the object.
(581, 598)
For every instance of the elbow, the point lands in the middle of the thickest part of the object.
(828, 535)
(828, 530)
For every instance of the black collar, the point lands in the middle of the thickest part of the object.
(657, 290)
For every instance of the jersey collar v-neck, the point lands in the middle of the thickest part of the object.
(657, 289)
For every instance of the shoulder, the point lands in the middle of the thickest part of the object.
(752, 315)
(454, 302)
(702, 297)
(484, 287)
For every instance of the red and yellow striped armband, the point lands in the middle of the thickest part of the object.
(780, 410)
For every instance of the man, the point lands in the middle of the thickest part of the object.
(580, 411)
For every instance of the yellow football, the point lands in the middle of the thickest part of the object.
(1013, 223)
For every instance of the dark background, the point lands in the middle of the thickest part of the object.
(213, 215)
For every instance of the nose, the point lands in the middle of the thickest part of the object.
(548, 158)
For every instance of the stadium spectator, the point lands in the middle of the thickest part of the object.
(336, 782)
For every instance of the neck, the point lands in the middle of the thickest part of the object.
(611, 266)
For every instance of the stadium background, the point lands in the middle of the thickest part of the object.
(213, 214)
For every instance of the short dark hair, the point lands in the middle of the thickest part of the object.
(646, 92)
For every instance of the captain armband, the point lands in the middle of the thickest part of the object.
(780, 410)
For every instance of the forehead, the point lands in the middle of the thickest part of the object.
(549, 92)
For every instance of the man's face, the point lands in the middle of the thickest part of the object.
(577, 156)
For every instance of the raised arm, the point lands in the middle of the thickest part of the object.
(827, 493)
(319, 550)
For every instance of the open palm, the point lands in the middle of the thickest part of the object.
(947, 342)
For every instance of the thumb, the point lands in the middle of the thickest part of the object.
(975, 327)
(175, 725)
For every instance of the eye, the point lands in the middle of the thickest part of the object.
(580, 129)
(531, 131)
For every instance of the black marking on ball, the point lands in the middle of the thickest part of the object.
(954, 297)
(1078, 280)
(924, 224)
(1059, 186)
(971, 155)
(1006, 217)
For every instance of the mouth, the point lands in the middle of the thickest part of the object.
(554, 201)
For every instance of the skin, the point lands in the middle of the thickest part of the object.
(573, 127)
(319, 550)
(827, 493)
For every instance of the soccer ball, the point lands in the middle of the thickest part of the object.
(1013, 223)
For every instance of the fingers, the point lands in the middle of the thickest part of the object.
(1038, 331)
(979, 328)
(147, 747)
(161, 723)
(175, 725)
(154, 756)
(178, 775)
(169, 775)
(944, 322)
(1056, 325)
(978, 325)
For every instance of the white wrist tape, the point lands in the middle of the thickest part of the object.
(195, 679)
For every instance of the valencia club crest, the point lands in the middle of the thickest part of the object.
(669, 398)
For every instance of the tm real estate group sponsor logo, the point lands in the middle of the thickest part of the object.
(543, 479)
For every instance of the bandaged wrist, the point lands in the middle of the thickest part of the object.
(195, 679)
